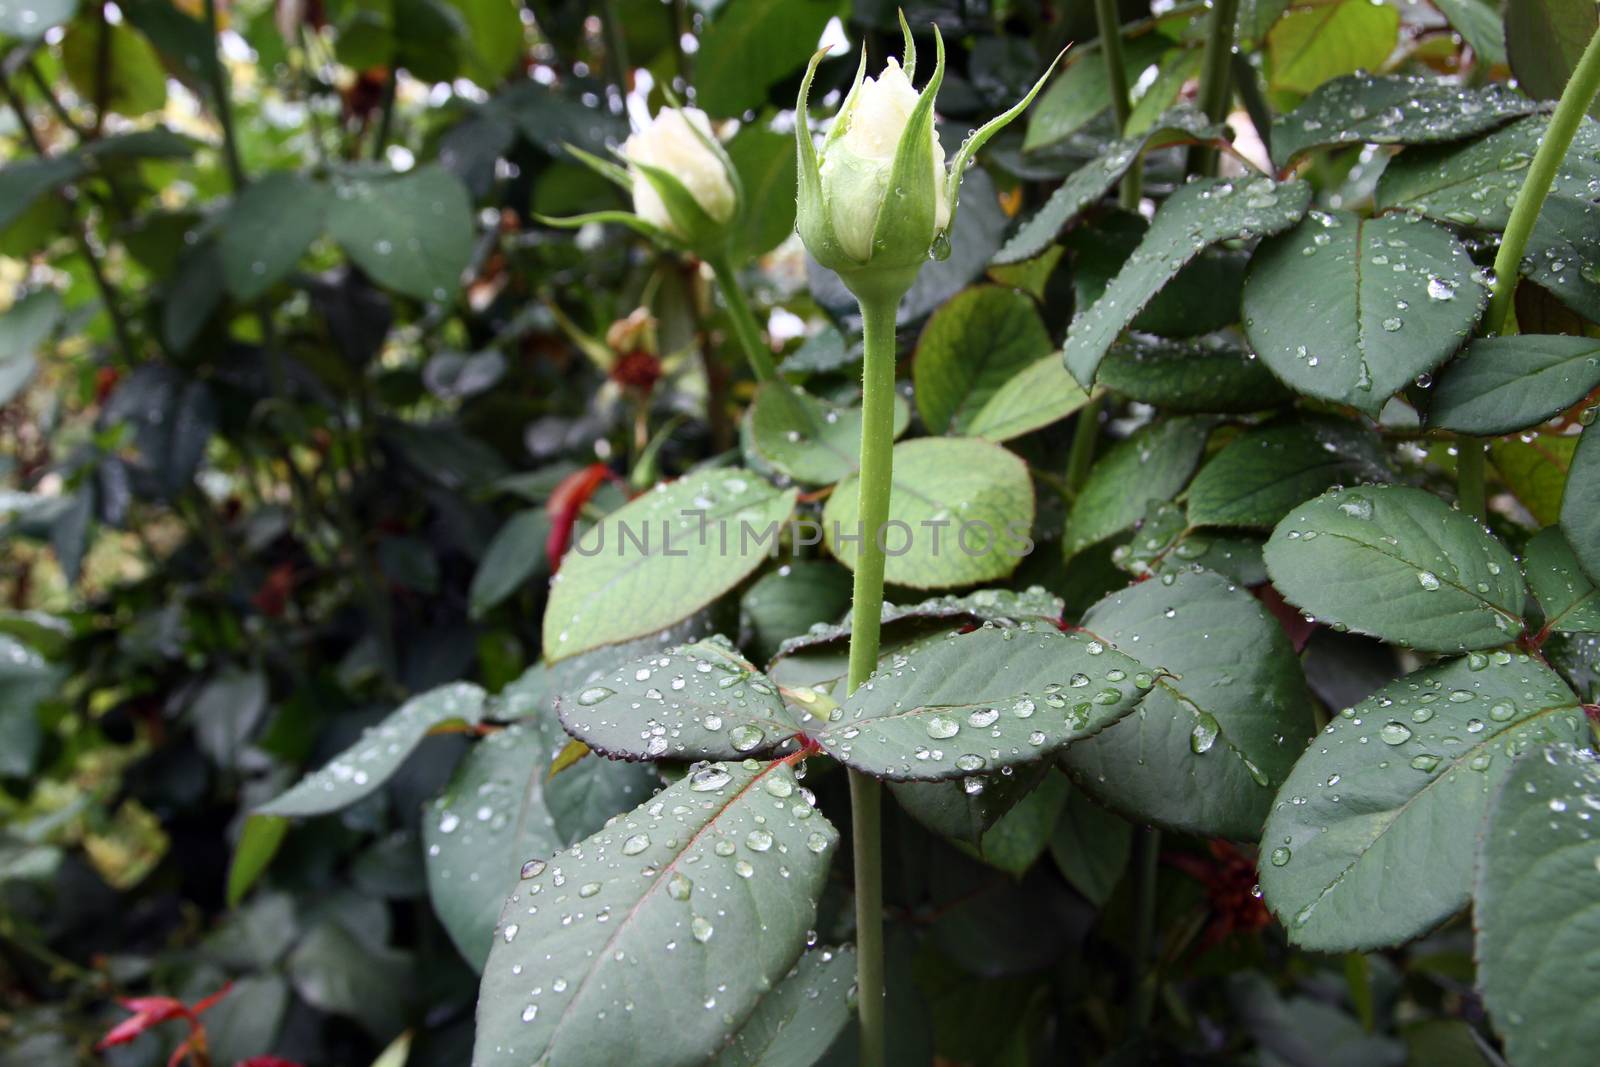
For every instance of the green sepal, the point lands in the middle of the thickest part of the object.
(970, 146)
(905, 228)
(624, 218)
(716, 149)
(702, 233)
(841, 120)
(811, 213)
(611, 172)
(908, 57)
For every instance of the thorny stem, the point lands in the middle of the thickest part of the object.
(80, 229)
(866, 608)
(1110, 29)
(1144, 996)
(1081, 454)
(1216, 83)
(1581, 88)
(219, 88)
(744, 323)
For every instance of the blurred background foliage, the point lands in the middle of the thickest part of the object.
(293, 392)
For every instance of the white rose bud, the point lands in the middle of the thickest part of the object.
(856, 166)
(670, 144)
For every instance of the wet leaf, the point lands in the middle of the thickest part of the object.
(412, 233)
(363, 767)
(1153, 464)
(1580, 504)
(1371, 839)
(1569, 599)
(672, 922)
(644, 566)
(1351, 309)
(1392, 109)
(967, 705)
(1205, 749)
(502, 808)
(1199, 214)
(699, 701)
(1504, 384)
(1411, 569)
(970, 349)
(960, 513)
(1260, 475)
(1538, 908)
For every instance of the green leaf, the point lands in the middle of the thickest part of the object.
(1392, 109)
(25, 680)
(337, 973)
(1204, 750)
(1153, 464)
(267, 229)
(1199, 214)
(1478, 22)
(1038, 395)
(820, 656)
(258, 843)
(1080, 92)
(1535, 471)
(705, 893)
(1311, 45)
(966, 810)
(502, 808)
(512, 560)
(700, 701)
(1569, 599)
(1538, 909)
(494, 40)
(765, 161)
(749, 48)
(411, 233)
(1580, 503)
(1351, 309)
(1211, 373)
(1503, 384)
(1201, 298)
(225, 712)
(1564, 246)
(1166, 544)
(31, 19)
(1544, 39)
(24, 183)
(808, 438)
(788, 601)
(1022, 834)
(796, 1023)
(1090, 847)
(1411, 569)
(1474, 183)
(362, 768)
(1261, 474)
(960, 513)
(1089, 183)
(970, 348)
(973, 704)
(24, 327)
(1371, 840)
(645, 565)
(125, 73)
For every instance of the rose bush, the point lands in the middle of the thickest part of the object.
(598, 533)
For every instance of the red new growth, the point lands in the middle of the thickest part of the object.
(153, 1011)
(566, 503)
